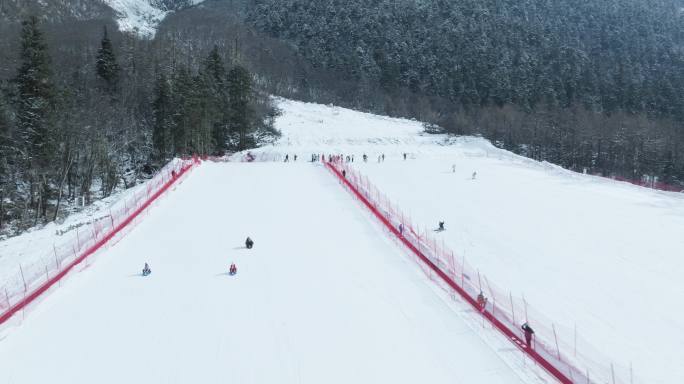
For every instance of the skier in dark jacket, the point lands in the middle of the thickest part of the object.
(249, 243)
(529, 333)
(146, 270)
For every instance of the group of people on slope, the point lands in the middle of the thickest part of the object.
(232, 270)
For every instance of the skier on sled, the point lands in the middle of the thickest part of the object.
(146, 270)
(249, 243)
(233, 269)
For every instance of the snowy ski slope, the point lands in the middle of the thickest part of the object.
(587, 253)
(349, 305)
(323, 297)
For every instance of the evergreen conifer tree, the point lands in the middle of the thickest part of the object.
(214, 73)
(241, 112)
(36, 96)
(163, 119)
(107, 66)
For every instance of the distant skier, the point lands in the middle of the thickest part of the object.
(481, 301)
(474, 175)
(529, 333)
(404, 155)
(401, 229)
(365, 158)
(232, 270)
(453, 168)
(441, 227)
(249, 243)
(146, 270)
(383, 157)
(287, 158)
(344, 173)
(295, 157)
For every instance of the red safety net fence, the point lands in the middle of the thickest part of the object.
(34, 278)
(560, 351)
(647, 182)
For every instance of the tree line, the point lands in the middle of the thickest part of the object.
(585, 84)
(78, 121)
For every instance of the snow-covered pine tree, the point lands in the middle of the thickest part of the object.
(214, 73)
(241, 112)
(163, 128)
(35, 114)
(108, 68)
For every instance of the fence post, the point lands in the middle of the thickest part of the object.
(555, 336)
(612, 372)
(47, 275)
(22, 278)
(575, 353)
(78, 239)
(510, 295)
(463, 272)
(54, 249)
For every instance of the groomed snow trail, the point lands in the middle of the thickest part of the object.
(589, 254)
(323, 297)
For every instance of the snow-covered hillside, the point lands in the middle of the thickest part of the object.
(326, 296)
(140, 16)
(323, 297)
(587, 253)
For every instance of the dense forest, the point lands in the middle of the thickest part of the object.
(595, 85)
(86, 110)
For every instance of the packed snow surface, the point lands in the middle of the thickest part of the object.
(323, 297)
(587, 253)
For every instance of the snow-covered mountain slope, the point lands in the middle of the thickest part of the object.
(587, 253)
(143, 16)
(324, 297)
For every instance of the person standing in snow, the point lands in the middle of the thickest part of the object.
(401, 229)
(383, 157)
(453, 168)
(249, 243)
(474, 175)
(287, 158)
(481, 301)
(529, 333)
(365, 158)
